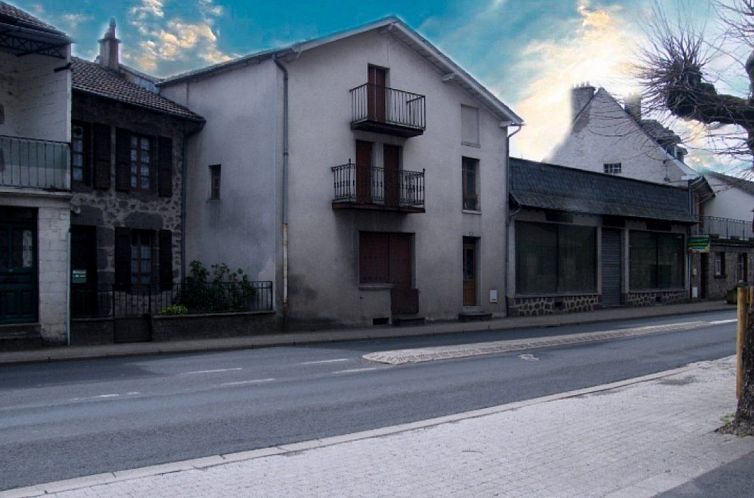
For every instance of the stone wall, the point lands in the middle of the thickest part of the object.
(652, 297)
(718, 286)
(547, 305)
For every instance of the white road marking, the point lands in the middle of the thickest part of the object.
(355, 370)
(320, 362)
(246, 382)
(100, 396)
(219, 370)
(528, 357)
(133, 393)
(720, 322)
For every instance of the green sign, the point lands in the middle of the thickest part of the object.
(78, 276)
(698, 243)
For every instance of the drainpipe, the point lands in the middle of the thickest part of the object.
(285, 185)
(507, 215)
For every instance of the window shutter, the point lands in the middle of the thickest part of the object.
(101, 162)
(122, 258)
(123, 160)
(165, 175)
(166, 259)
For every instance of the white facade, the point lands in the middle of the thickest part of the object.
(243, 105)
(730, 201)
(604, 133)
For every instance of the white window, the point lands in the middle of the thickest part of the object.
(469, 125)
(612, 168)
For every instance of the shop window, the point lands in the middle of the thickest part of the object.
(656, 260)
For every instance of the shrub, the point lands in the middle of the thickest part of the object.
(174, 309)
(216, 290)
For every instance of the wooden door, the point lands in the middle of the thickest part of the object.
(392, 160)
(376, 93)
(469, 271)
(704, 274)
(18, 266)
(363, 172)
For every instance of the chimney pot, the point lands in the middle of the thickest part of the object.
(109, 48)
(632, 105)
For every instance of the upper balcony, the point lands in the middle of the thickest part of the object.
(387, 110)
(725, 228)
(364, 187)
(32, 163)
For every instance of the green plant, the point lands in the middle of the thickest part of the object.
(217, 289)
(174, 309)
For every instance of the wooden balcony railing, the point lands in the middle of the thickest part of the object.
(32, 163)
(364, 187)
(387, 110)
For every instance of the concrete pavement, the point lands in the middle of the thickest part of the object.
(294, 338)
(634, 438)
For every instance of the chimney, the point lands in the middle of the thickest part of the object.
(580, 96)
(632, 105)
(108, 49)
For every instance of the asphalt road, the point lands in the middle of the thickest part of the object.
(67, 419)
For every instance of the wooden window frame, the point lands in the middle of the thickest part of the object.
(139, 240)
(136, 165)
(215, 181)
(470, 202)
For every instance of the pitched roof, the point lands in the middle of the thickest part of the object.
(548, 186)
(92, 78)
(17, 17)
(740, 183)
(660, 133)
(397, 28)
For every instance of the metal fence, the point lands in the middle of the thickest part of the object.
(388, 105)
(371, 185)
(725, 228)
(32, 163)
(187, 297)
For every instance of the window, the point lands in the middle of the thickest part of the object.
(720, 264)
(141, 161)
(555, 258)
(612, 168)
(79, 166)
(470, 172)
(656, 260)
(214, 181)
(142, 245)
(743, 267)
(469, 125)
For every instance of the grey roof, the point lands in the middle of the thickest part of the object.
(547, 186)
(17, 17)
(660, 133)
(90, 77)
(740, 183)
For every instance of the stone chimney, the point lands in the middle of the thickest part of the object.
(580, 96)
(632, 105)
(108, 49)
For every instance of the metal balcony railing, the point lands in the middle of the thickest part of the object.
(725, 228)
(366, 185)
(406, 112)
(32, 163)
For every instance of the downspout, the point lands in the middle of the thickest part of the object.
(508, 217)
(285, 186)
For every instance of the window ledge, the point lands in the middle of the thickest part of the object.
(471, 211)
(469, 144)
(370, 287)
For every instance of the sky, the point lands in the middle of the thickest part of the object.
(528, 52)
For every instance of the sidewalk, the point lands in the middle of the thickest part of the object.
(293, 338)
(633, 438)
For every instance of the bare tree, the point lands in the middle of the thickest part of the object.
(678, 78)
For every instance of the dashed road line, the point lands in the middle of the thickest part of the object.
(218, 370)
(720, 322)
(248, 382)
(322, 362)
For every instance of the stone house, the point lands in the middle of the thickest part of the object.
(127, 178)
(34, 180)
(363, 172)
(581, 240)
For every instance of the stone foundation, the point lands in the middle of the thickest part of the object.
(547, 305)
(650, 298)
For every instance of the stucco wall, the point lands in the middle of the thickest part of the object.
(604, 133)
(729, 202)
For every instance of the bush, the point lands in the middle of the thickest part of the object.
(216, 290)
(174, 309)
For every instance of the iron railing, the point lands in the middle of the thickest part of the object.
(725, 228)
(32, 163)
(389, 106)
(370, 185)
(222, 297)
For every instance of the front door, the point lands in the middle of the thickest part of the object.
(18, 265)
(363, 172)
(376, 93)
(469, 271)
(83, 271)
(704, 274)
(611, 267)
(404, 298)
(392, 170)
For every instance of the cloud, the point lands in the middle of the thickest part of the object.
(167, 40)
(72, 21)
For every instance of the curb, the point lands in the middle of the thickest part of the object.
(292, 448)
(301, 338)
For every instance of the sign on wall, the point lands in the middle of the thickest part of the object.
(698, 244)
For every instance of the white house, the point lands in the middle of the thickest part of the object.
(35, 120)
(363, 172)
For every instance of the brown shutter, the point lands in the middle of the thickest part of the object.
(122, 258)
(166, 259)
(165, 174)
(373, 258)
(123, 160)
(101, 161)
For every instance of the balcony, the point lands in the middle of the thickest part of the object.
(32, 163)
(725, 228)
(364, 187)
(387, 110)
